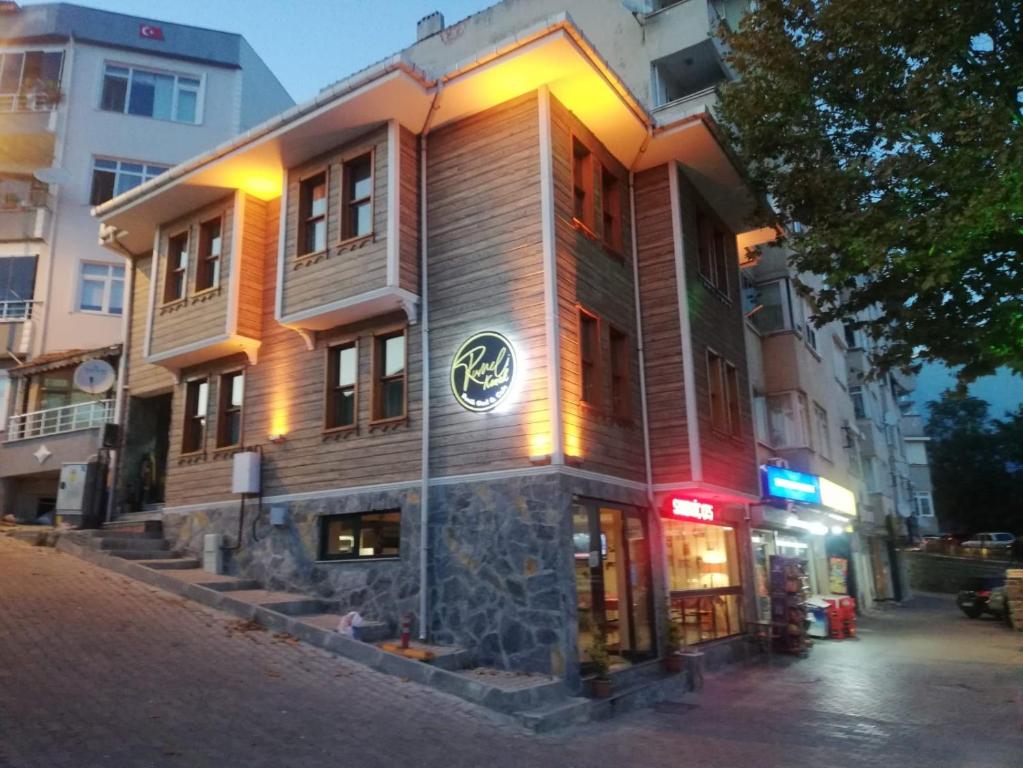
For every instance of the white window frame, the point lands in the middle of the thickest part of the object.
(5, 398)
(21, 79)
(118, 170)
(798, 430)
(823, 430)
(108, 281)
(924, 496)
(200, 91)
(809, 332)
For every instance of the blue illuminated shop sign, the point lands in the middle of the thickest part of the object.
(781, 483)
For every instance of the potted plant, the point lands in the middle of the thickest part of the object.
(672, 646)
(600, 685)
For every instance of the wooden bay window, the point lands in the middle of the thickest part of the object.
(589, 358)
(390, 373)
(312, 214)
(582, 184)
(196, 403)
(176, 273)
(621, 405)
(229, 409)
(207, 267)
(358, 197)
(611, 204)
(342, 386)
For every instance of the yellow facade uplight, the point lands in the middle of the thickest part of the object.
(261, 183)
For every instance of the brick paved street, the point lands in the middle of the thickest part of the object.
(98, 670)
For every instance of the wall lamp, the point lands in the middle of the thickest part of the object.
(276, 437)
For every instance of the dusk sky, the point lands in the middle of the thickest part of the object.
(307, 43)
(311, 43)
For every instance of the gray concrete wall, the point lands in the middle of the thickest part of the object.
(943, 573)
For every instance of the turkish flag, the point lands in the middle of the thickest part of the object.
(150, 32)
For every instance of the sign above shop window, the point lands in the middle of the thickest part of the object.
(781, 483)
(837, 498)
(483, 371)
(691, 509)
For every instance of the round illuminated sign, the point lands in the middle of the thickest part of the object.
(482, 371)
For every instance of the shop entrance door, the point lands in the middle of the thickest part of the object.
(613, 582)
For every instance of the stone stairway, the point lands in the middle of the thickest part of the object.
(136, 548)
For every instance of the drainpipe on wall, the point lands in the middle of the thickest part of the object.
(424, 333)
(122, 367)
(639, 343)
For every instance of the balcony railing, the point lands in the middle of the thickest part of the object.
(56, 421)
(28, 101)
(16, 311)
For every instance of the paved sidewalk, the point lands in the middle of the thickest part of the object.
(99, 670)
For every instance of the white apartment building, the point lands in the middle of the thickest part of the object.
(92, 104)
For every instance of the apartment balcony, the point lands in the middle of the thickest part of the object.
(16, 327)
(28, 131)
(41, 441)
(688, 57)
(23, 222)
(59, 421)
(872, 441)
(856, 361)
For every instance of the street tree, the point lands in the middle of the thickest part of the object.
(892, 133)
(977, 480)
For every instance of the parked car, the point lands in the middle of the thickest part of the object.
(990, 540)
(983, 594)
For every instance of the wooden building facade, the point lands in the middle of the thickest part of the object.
(535, 417)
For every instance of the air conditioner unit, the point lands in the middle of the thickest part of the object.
(774, 461)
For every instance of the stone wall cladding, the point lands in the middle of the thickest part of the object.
(506, 591)
(502, 577)
(285, 559)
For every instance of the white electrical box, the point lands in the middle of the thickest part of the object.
(71, 491)
(212, 553)
(278, 516)
(245, 477)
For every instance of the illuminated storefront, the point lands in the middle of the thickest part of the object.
(808, 518)
(703, 569)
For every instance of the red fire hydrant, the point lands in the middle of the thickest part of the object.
(406, 630)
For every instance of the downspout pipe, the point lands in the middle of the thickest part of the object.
(640, 346)
(113, 243)
(424, 334)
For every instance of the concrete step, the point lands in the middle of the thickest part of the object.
(137, 544)
(217, 582)
(142, 554)
(117, 533)
(141, 523)
(286, 603)
(369, 632)
(181, 564)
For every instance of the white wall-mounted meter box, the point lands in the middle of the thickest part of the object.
(245, 475)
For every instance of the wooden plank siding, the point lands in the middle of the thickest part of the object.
(143, 378)
(486, 273)
(284, 393)
(716, 321)
(600, 281)
(346, 269)
(250, 286)
(662, 330)
(409, 214)
(200, 315)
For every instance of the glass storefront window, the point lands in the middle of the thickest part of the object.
(703, 575)
(700, 556)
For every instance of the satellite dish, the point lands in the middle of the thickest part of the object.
(53, 175)
(94, 376)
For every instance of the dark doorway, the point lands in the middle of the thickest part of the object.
(145, 452)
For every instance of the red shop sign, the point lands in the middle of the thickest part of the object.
(690, 509)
